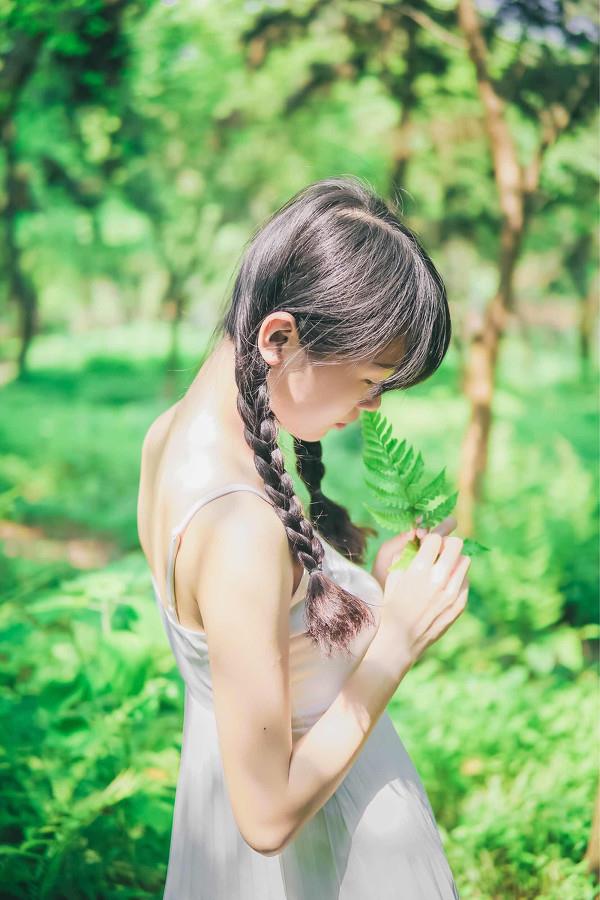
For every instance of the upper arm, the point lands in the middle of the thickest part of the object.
(242, 587)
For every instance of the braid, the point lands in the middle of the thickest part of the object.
(260, 431)
(333, 615)
(356, 281)
(333, 520)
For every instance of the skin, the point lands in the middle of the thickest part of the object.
(222, 584)
(307, 398)
(198, 443)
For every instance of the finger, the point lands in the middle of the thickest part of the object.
(428, 551)
(447, 559)
(398, 543)
(450, 614)
(443, 528)
(455, 582)
(446, 526)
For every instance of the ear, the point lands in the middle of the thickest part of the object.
(277, 330)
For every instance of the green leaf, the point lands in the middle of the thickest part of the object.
(391, 522)
(392, 472)
(406, 557)
(473, 548)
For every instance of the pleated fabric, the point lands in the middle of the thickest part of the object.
(376, 837)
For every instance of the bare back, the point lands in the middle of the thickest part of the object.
(180, 462)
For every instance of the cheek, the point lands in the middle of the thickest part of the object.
(337, 392)
(328, 390)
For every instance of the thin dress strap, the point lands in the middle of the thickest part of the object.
(177, 532)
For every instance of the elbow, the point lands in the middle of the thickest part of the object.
(264, 847)
(267, 842)
(269, 829)
(268, 851)
(275, 847)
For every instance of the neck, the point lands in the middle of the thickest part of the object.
(210, 404)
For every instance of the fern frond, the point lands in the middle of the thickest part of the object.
(391, 522)
(393, 472)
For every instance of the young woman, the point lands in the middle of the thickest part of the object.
(293, 781)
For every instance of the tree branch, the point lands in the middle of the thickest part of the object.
(554, 120)
(425, 21)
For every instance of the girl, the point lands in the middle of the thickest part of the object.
(293, 781)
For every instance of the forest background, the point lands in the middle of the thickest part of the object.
(142, 143)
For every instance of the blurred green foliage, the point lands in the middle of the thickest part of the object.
(149, 138)
(498, 715)
(143, 141)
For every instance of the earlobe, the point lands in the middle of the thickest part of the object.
(277, 332)
(272, 353)
(271, 348)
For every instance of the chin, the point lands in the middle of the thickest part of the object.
(313, 436)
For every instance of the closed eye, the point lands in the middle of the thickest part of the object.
(374, 391)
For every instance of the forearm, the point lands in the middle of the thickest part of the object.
(322, 757)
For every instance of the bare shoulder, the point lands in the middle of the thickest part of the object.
(235, 539)
(242, 513)
(151, 451)
(157, 431)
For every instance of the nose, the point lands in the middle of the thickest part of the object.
(371, 405)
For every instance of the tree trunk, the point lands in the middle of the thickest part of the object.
(20, 288)
(588, 320)
(576, 262)
(479, 382)
(404, 91)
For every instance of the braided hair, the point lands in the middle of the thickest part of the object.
(355, 278)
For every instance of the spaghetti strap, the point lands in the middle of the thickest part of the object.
(177, 532)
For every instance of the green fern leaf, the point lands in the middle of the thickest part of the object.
(393, 472)
(398, 521)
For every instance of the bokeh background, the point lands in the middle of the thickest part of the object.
(142, 143)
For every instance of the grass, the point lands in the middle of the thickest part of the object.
(498, 716)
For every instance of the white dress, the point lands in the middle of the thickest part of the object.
(376, 837)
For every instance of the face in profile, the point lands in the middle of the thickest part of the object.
(310, 398)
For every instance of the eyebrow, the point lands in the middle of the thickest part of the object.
(390, 365)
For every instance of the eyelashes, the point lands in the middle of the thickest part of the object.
(374, 392)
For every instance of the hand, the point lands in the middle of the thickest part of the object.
(423, 600)
(394, 546)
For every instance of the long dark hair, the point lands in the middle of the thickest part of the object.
(356, 279)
